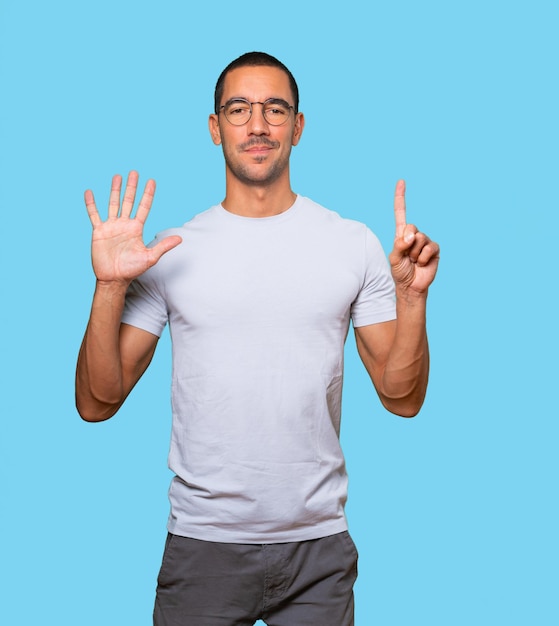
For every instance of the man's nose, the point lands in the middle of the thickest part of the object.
(257, 123)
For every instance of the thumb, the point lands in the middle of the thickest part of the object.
(164, 246)
(404, 243)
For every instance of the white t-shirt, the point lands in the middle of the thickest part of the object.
(259, 310)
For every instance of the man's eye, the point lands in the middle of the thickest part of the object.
(276, 111)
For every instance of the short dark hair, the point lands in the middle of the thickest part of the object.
(255, 59)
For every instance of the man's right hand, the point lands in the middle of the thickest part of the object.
(117, 250)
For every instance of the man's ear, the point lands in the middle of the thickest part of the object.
(298, 128)
(213, 123)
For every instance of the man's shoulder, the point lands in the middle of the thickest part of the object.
(200, 220)
(330, 217)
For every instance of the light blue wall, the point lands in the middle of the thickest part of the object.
(453, 512)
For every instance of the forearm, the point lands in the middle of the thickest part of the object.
(405, 376)
(99, 374)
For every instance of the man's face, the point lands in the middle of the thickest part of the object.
(257, 153)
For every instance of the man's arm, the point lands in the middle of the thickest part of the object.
(113, 356)
(396, 353)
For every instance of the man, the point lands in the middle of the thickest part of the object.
(258, 292)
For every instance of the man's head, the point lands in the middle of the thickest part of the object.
(255, 59)
(256, 121)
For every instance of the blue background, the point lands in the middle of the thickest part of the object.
(454, 512)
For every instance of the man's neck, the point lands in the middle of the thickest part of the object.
(254, 201)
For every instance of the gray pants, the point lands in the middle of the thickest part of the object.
(308, 583)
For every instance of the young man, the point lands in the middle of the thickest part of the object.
(258, 292)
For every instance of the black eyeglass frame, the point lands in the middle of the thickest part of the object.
(268, 101)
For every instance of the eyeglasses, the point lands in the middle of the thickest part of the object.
(239, 111)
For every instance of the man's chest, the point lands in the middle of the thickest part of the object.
(270, 281)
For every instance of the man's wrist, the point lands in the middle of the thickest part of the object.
(112, 288)
(410, 297)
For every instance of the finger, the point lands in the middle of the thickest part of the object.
(416, 241)
(400, 207)
(164, 246)
(91, 208)
(114, 198)
(129, 194)
(403, 245)
(146, 201)
(430, 252)
(401, 248)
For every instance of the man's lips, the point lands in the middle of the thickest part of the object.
(258, 145)
(257, 149)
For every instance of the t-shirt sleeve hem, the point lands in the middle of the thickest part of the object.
(377, 318)
(142, 324)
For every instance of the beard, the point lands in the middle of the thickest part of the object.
(257, 173)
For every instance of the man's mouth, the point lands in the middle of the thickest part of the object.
(258, 145)
(258, 149)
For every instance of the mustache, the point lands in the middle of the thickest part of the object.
(258, 141)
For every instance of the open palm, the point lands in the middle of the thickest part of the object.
(117, 249)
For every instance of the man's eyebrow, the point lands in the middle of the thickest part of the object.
(272, 100)
(278, 101)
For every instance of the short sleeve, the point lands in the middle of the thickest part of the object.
(376, 301)
(145, 306)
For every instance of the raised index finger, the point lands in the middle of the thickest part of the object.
(400, 207)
